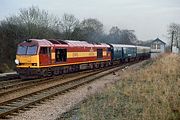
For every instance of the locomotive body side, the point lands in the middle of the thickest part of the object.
(56, 58)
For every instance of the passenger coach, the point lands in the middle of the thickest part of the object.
(123, 53)
(126, 53)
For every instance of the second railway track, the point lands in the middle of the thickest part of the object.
(31, 96)
(17, 85)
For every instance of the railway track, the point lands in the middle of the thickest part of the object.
(17, 85)
(9, 77)
(7, 82)
(20, 102)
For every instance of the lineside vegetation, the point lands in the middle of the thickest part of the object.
(34, 23)
(151, 93)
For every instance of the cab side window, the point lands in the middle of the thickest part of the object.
(45, 50)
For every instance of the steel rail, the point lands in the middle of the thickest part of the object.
(7, 82)
(9, 77)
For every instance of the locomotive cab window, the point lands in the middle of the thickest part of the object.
(31, 50)
(27, 50)
(99, 53)
(21, 50)
(61, 55)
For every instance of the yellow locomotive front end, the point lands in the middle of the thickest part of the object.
(27, 59)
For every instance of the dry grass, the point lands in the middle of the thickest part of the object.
(151, 93)
(5, 68)
(156, 88)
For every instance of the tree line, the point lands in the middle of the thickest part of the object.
(39, 24)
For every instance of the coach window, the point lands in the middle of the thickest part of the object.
(61, 55)
(99, 53)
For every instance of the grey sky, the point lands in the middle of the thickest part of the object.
(149, 18)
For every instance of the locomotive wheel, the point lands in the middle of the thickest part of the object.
(56, 71)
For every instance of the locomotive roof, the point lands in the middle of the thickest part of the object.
(73, 43)
(78, 43)
(57, 42)
(37, 42)
(84, 43)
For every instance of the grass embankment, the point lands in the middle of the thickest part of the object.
(151, 93)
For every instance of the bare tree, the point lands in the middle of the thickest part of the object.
(114, 35)
(68, 24)
(35, 23)
(121, 36)
(29, 23)
(77, 34)
(128, 37)
(174, 34)
(114, 30)
(92, 29)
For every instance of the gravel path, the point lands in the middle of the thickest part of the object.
(51, 109)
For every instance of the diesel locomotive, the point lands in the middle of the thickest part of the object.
(37, 58)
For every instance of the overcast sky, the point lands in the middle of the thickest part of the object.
(149, 18)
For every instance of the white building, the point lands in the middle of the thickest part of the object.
(158, 46)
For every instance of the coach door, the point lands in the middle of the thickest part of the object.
(45, 56)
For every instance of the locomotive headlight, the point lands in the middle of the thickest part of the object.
(17, 61)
